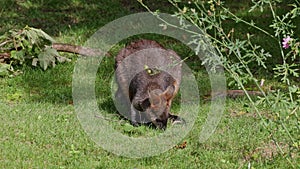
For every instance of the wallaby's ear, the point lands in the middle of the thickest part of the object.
(155, 97)
(169, 92)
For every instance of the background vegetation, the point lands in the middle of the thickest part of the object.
(39, 128)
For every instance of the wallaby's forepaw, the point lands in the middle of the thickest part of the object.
(135, 124)
(177, 120)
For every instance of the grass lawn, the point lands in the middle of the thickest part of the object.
(40, 128)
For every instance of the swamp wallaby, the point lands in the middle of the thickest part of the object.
(148, 78)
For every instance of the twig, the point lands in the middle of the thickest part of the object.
(4, 55)
(5, 42)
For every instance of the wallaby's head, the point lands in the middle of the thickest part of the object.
(159, 106)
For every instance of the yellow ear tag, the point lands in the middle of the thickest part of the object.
(149, 71)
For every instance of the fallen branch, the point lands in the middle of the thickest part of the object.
(236, 93)
(85, 51)
(4, 55)
(232, 94)
(62, 47)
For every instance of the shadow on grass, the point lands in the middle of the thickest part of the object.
(56, 16)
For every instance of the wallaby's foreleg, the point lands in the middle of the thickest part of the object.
(133, 116)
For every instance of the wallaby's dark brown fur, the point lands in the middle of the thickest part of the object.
(148, 78)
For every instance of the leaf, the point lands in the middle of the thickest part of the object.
(47, 57)
(4, 69)
(34, 61)
(293, 89)
(43, 34)
(18, 55)
(36, 36)
(31, 35)
(62, 59)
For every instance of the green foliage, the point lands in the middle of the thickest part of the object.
(28, 45)
(47, 57)
(241, 56)
(4, 69)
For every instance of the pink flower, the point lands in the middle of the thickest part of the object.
(285, 42)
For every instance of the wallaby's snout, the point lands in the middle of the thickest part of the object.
(161, 124)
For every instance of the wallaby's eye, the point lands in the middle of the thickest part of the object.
(145, 104)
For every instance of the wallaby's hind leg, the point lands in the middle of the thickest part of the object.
(176, 119)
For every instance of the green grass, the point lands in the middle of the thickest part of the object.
(40, 129)
(47, 135)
